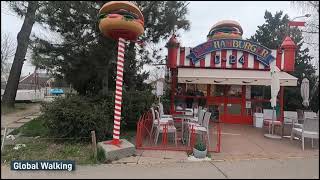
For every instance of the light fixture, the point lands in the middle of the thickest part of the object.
(307, 15)
(284, 82)
(217, 81)
(246, 82)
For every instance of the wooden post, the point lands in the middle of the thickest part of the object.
(94, 143)
(4, 137)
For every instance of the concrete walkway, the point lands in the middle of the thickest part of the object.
(17, 119)
(271, 168)
(246, 142)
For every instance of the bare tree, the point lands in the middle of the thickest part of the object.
(156, 73)
(7, 47)
(311, 35)
(7, 51)
(311, 31)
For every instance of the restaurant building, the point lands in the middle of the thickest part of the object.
(227, 74)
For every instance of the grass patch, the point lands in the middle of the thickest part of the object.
(101, 156)
(81, 153)
(32, 128)
(17, 107)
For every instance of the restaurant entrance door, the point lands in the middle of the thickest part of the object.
(228, 100)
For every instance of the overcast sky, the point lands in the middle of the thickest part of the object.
(202, 15)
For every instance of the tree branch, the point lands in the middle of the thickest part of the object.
(311, 32)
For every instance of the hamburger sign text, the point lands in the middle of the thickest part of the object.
(263, 54)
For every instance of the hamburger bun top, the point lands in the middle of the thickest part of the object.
(116, 5)
(227, 23)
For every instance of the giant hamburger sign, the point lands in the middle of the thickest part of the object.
(227, 35)
(121, 19)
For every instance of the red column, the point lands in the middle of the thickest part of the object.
(173, 48)
(281, 103)
(208, 93)
(224, 102)
(173, 89)
(289, 48)
(243, 103)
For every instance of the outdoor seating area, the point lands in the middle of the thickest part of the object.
(159, 131)
(179, 131)
(304, 124)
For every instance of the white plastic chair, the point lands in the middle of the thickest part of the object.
(310, 129)
(309, 114)
(267, 119)
(200, 129)
(156, 121)
(291, 117)
(196, 111)
(189, 111)
(160, 129)
(302, 115)
(198, 120)
(162, 115)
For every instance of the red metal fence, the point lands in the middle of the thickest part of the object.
(144, 137)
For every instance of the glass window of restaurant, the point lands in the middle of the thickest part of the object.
(234, 91)
(216, 107)
(217, 90)
(191, 95)
(260, 96)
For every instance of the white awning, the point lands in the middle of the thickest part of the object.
(228, 76)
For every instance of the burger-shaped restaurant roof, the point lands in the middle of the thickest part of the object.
(225, 29)
(227, 23)
(115, 5)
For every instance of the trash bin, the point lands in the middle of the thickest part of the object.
(258, 120)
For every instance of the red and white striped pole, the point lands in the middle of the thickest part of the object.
(118, 92)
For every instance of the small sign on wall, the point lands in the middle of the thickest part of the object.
(248, 104)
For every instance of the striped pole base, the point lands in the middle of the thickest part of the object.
(118, 92)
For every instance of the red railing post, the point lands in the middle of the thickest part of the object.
(192, 139)
(164, 135)
(138, 136)
(218, 138)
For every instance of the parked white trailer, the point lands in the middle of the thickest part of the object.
(28, 95)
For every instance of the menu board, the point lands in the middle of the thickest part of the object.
(248, 104)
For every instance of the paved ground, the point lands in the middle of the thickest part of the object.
(271, 168)
(247, 142)
(17, 119)
(245, 153)
(240, 141)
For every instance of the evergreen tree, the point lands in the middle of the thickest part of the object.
(271, 34)
(86, 59)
